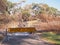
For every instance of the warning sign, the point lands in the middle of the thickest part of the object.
(14, 30)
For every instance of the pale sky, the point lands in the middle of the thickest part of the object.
(52, 3)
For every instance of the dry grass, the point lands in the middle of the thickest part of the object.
(48, 23)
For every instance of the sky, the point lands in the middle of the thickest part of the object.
(51, 3)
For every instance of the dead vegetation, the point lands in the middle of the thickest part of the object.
(48, 23)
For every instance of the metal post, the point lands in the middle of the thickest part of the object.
(6, 36)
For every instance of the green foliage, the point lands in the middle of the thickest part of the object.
(52, 37)
(25, 12)
(10, 4)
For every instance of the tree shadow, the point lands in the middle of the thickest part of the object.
(17, 40)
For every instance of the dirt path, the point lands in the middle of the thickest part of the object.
(24, 40)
